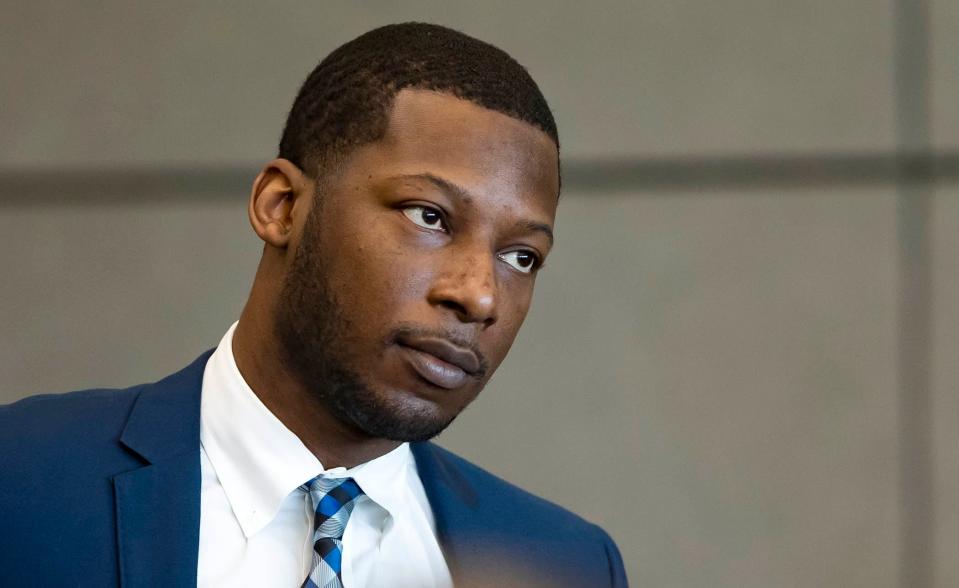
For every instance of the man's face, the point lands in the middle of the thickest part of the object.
(414, 269)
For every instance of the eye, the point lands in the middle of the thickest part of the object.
(426, 217)
(522, 260)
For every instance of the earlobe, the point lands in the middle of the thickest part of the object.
(273, 199)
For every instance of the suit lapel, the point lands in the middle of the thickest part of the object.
(158, 522)
(158, 505)
(454, 504)
(482, 540)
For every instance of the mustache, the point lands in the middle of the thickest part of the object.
(417, 331)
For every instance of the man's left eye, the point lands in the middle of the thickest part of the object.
(521, 260)
(426, 217)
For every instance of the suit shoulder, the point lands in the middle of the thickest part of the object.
(546, 543)
(505, 496)
(38, 427)
(69, 408)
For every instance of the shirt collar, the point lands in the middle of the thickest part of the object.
(259, 461)
(383, 479)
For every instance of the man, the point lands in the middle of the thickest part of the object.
(403, 222)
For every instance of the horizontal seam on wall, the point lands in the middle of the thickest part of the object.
(149, 184)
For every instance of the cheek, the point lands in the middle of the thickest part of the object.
(379, 279)
(516, 296)
(514, 305)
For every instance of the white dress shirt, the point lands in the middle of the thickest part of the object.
(256, 525)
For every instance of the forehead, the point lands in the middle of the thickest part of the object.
(487, 152)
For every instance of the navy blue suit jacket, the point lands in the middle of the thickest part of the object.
(102, 488)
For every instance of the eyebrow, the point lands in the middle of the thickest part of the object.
(541, 227)
(463, 194)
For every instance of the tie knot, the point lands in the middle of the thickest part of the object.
(332, 497)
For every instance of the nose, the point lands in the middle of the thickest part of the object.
(467, 287)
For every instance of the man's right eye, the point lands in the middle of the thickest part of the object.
(426, 217)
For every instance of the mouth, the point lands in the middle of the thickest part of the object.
(439, 361)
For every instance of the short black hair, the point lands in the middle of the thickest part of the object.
(345, 101)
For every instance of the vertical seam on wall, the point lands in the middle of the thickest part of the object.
(914, 207)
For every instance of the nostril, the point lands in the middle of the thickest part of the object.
(455, 307)
(469, 313)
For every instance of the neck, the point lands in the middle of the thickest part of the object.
(334, 443)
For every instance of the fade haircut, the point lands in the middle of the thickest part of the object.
(345, 102)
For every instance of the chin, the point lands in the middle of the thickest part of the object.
(394, 414)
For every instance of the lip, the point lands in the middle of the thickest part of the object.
(448, 352)
(439, 361)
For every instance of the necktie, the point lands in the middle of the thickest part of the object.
(333, 499)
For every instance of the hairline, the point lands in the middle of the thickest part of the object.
(325, 168)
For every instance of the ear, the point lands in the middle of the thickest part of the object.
(280, 192)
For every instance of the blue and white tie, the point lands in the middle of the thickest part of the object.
(333, 499)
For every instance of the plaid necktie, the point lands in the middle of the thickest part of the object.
(333, 499)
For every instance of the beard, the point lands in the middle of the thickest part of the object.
(314, 336)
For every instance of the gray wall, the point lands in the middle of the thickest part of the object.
(747, 332)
